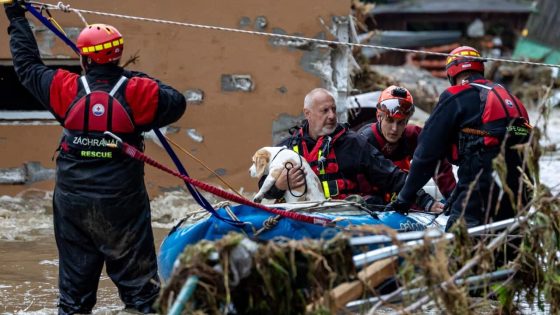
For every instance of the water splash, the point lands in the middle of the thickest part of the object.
(26, 216)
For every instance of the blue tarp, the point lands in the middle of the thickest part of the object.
(213, 229)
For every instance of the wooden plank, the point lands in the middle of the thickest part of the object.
(370, 277)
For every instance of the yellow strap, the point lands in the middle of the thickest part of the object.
(326, 189)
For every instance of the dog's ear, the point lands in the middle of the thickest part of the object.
(261, 158)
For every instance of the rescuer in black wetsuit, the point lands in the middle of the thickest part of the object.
(471, 120)
(101, 208)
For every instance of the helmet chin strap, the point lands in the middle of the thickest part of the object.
(84, 62)
(451, 80)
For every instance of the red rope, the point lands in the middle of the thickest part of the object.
(134, 153)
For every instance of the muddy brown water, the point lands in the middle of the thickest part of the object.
(29, 275)
(29, 257)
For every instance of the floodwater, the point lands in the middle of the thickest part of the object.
(28, 255)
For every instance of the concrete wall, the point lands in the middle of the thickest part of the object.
(233, 124)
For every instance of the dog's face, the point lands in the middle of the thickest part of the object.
(261, 158)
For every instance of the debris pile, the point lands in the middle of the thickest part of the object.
(496, 269)
(424, 87)
(518, 266)
(248, 278)
(531, 84)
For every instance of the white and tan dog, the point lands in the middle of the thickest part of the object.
(271, 161)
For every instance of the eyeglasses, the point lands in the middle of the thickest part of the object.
(396, 107)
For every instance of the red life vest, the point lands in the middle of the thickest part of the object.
(90, 115)
(326, 166)
(503, 117)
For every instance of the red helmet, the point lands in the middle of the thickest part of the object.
(456, 64)
(101, 42)
(395, 102)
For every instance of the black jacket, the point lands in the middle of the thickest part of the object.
(55, 88)
(458, 107)
(356, 158)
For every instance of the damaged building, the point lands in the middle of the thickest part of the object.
(492, 26)
(242, 89)
(540, 40)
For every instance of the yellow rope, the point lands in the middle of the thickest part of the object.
(55, 23)
(204, 165)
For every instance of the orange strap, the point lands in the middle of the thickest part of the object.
(476, 132)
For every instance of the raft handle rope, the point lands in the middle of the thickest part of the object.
(66, 8)
(136, 154)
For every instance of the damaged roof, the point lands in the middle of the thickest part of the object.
(447, 6)
(409, 39)
(404, 39)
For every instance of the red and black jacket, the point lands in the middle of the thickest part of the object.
(352, 163)
(144, 103)
(459, 107)
(92, 113)
(401, 153)
(503, 117)
(323, 162)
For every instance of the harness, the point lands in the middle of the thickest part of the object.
(90, 115)
(323, 162)
(502, 119)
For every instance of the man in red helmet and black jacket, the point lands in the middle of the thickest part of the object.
(397, 140)
(343, 160)
(101, 209)
(471, 121)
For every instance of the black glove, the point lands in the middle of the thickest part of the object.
(424, 200)
(15, 9)
(398, 206)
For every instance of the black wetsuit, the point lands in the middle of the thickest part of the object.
(101, 207)
(460, 107)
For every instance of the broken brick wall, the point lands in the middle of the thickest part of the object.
(248, 84)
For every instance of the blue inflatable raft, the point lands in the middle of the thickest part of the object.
(213, 229)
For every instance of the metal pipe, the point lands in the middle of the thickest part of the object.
(416, 239)
(473, 283)
(184, 295)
